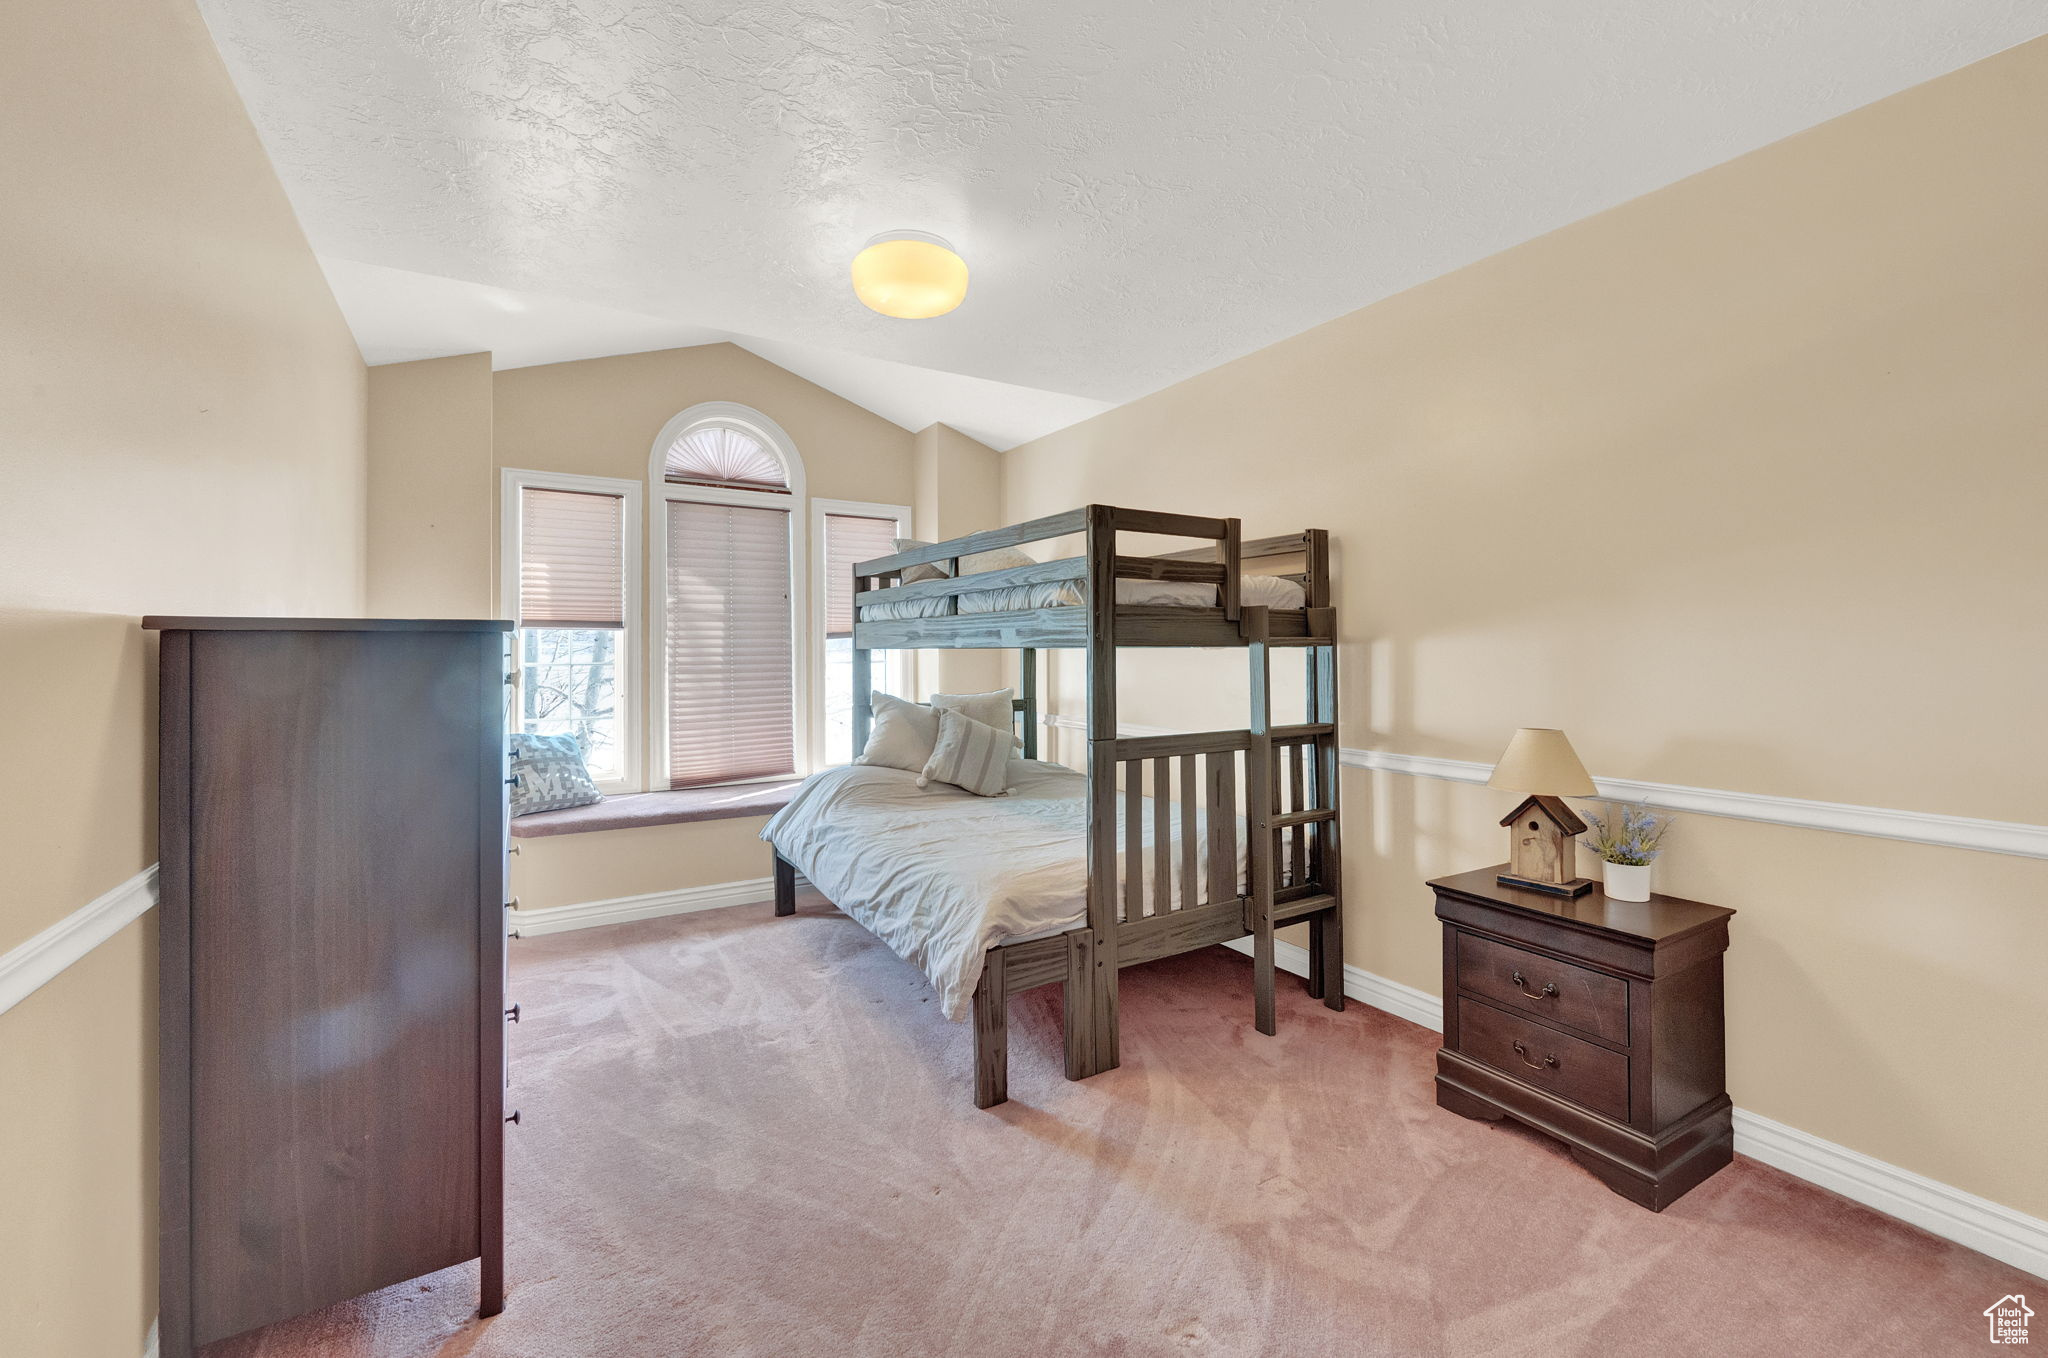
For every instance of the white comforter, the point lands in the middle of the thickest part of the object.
(941, 875)
(1269, 591)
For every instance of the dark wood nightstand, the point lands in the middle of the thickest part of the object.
(1597, 1022)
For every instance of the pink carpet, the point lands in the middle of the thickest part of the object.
(745, 1135)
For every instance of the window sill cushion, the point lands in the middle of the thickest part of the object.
(632, 809)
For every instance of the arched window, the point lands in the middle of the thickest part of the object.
(732, 658)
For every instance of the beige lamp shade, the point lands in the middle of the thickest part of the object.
(1541, 760)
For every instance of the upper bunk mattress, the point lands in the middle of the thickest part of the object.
(941, 875)
(1268, 591)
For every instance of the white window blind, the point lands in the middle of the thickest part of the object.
(571, 559)
(721, 456)
(848, 539)
(731, 680)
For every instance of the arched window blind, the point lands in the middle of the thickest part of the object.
(850, 538)
(731, 673)
(719, 455)
(571, 559)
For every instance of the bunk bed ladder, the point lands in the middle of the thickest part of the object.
(1294, 861)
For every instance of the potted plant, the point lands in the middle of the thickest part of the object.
(1628, 839)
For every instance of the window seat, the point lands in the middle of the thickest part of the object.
(629, 810)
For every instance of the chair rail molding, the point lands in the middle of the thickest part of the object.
(1913, 827)
(25, 968)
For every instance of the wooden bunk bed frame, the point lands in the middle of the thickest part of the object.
(1286, 796)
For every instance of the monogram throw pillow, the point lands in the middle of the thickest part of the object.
(548, 774)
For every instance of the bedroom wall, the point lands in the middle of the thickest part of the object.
(181, 431)
(959, 491)
(432, 486)
(1742, 485)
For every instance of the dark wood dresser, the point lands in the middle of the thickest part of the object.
(331, 963)
(1594, 1021)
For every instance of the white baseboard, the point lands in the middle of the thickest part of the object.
(624, 909)
(26, 968)
(149, 1348)
(2006, 1235)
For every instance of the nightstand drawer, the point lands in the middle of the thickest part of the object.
(1566, 1066)
(1543, 987)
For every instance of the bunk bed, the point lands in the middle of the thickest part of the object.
(1237, 837)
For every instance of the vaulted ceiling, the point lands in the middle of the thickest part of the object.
(1142, 190)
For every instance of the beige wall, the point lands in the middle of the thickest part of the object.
(432, 486)
(577, 869)
(181, 431)
(599, 417)
(1743, 485)
(959, 491)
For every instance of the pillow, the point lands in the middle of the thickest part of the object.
(969, 755)
(930, 570)
(990, 709)
(548, 774)
(903, 734)
(1001, 559)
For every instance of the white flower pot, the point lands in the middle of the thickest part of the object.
(1626, 881)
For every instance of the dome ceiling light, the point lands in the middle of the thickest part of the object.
(909, 275)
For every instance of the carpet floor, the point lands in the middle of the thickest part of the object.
(747, 1135)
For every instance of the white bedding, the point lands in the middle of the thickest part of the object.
(941, 875)
(1269, 591)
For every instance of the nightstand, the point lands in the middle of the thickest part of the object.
(1593, 1021)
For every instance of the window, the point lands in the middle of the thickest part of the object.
(731, 665)
(731, 653)
(571, 568)
(849, 532)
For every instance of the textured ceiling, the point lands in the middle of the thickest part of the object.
(1142, 190)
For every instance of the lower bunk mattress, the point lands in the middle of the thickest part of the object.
(941, 875)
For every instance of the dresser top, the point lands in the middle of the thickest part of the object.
(1657, 920)
(160, 623)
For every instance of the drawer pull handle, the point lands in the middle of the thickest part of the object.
(1549, 991)
(1523, 1052)
(512, 1014)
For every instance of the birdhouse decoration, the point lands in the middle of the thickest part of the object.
(1540, 849)
(1542, 855)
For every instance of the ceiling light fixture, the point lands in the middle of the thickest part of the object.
(909, 275)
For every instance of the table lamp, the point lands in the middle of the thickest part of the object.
(1542, 829)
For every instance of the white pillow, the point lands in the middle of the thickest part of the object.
(929, 570)
(1001, 559)
(903, 734)
(969, 755)
(990, 709)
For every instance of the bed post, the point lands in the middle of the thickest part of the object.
(1326, 930)
(863, 676)
(1094, 968)
(992, 1032)
(1258, 817)
(785, 886)
(1027, 702)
